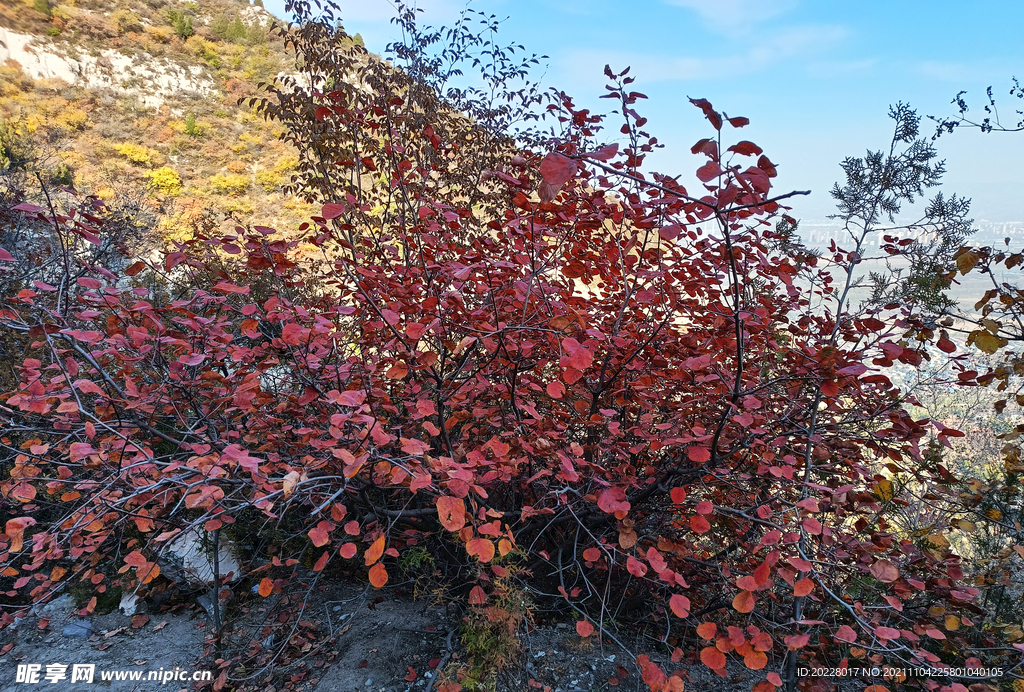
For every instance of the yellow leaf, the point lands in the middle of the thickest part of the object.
(884, 490)
(986, 341)
(966, 262)
(952, 623)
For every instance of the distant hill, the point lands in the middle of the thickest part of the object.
(118, 96)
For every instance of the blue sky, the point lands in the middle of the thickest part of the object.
(815, 78)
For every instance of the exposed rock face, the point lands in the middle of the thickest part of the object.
(152, 80)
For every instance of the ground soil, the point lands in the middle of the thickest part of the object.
(366, 641)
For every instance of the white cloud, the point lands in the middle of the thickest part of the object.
(835, 69)
(767, 51)
(735, 16)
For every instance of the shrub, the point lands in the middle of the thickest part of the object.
(164, 180)
(205, 50)
(43, 7)
(126, 22)
(269, 180)
(181, 22)
(70, 118)
(138, 154)
(63, 174)
(229, 183)
(192, 128)
(654, 402)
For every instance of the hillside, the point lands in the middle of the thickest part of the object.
(107, 95)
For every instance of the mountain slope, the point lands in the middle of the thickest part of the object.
(115, 97)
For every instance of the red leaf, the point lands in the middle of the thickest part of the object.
(846, 634)
(698, 455)
(883, 570)
(797, 641)
(605, 153)
(557, 170)
(351, 397)
(411, 675)
(803, 587)
(613, 500)
(746, 149)
(739, 121)
(709, 171)
(678, 495)
(704, 507)
(887, 633)
(132, 270)
(635, 567)
(322, 562)
(584, 628)
(591, 554)
(699, 524)
(332, 211)
(555, 389)
(347, 551)
(477, 596)
(710, 113)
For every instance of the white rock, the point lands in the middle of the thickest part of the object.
(129, 604)
(192, 553)
(152, 80)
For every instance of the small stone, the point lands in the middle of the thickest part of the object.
(368, 682)
(562, 626)
(79, 630)
(336, 608)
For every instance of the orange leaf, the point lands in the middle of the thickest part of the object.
(347, 551)
(755, 660)
(680, 605)
(321, 534)
(876, 688)
(504, 547)
(707, 630)
(744, 602)
(266, 587)
(803, 587)
(477, 596)
(452, 512)
(322, 562)
(591, 554)
(374, 552)
(378, 575)
(584, 628)
(15, 530)
(712, 658)
(481, 548)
